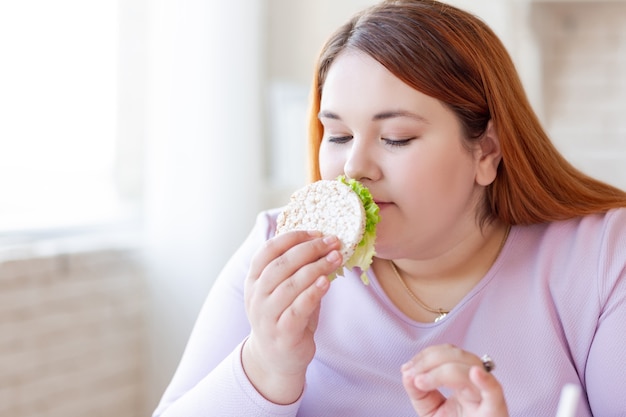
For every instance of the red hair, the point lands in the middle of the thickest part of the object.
(456, 58)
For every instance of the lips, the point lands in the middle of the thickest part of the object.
(382, 204)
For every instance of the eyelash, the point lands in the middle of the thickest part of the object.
(339, 139)
(391, 142)
(398, 142)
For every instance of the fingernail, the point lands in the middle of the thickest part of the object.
(333, 257)
(321, 282)
(409, 373)
(408, 369)
(329, 240)
(422, 380)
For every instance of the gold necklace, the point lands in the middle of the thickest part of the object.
(440, 312)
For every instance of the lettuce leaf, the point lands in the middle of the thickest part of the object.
(362, 257)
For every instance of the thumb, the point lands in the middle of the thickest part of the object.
(425, 403)
(493, 403)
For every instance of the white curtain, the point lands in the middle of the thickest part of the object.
(203, 177)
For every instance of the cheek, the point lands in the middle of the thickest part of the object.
(438, 183)
(331, 163)
(451, 190)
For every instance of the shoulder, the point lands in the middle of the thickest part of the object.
(601, 237)
(602, 233)
(615, 226)
(588, 252)
(265, 224)
(594, 229)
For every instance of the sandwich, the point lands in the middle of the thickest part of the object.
(343, 208)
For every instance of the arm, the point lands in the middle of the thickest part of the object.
(605, 376)
(210, 369)
(282, 300)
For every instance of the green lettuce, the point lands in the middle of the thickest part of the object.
(362, 257)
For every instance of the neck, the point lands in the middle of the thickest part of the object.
(470, 254)
(442, 282)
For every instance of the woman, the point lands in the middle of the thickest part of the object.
(489, 242)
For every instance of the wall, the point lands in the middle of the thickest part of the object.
(583, 76)
(73, 335)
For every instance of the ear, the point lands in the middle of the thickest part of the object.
(488, 156)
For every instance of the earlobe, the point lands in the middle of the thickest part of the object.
(489, 156)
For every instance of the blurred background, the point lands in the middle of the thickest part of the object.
(139, 139)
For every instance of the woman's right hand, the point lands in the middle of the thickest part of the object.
(283, 291)
(474, 391)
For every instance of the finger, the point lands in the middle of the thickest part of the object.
(425, 403)
(298, 295)
(302, 314)
(493, 400)
(315, 316)
(257, 290)
(276, 246)
(296, 261)
(310, 266)
(438, 355)
(454, 376)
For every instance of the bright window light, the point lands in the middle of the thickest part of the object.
(58, 109)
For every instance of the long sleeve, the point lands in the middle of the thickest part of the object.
(550, 311)
(210, 380)
(605, 376)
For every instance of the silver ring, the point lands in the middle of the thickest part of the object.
(488, 363)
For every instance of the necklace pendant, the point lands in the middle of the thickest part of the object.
(441, 316)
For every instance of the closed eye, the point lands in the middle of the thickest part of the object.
(397, 142)
(339, 139)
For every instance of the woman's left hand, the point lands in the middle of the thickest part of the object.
(474, 392)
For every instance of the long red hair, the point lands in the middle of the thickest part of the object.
(456, 58)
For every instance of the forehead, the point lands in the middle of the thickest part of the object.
(358, 84)
(351, 71)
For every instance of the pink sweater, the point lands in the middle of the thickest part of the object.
(551, 310)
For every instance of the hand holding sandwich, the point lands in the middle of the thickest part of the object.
(283, 291)
(326, 225)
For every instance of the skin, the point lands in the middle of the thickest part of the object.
(408, 149)
(476, 393)
(283, 291)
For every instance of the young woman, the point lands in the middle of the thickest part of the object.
(489, 243)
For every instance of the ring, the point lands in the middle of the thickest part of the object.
(488, 363)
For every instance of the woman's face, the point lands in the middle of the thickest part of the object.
(407, 148)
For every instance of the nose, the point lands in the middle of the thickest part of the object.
(361, 161)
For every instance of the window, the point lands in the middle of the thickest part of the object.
(58, 111)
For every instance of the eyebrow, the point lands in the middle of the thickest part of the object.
(325, 114)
